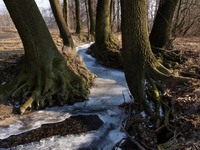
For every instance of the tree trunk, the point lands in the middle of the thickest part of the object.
(66, 11)
(78, 19)
(106, 49)
(63, 28)
(136, 48)
(91, 7)
(139, 61)
(143, 72)
(88, 18)
(161, 31)
(45, 76)
(118, 17)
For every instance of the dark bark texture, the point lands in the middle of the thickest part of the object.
(106, 48)
(65, 10)
(91, 8)
(161, 31)
(45, 79)
(78, 17)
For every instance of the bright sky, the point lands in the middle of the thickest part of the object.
(40, 3)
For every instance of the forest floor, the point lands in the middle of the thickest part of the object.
(186, 98)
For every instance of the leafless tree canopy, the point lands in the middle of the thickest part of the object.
(186, 20)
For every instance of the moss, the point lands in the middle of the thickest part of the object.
(60, 86)
(107, 54)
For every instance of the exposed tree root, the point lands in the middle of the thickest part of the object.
(108, 54)
(58, 86)
(168, 58)
(148, 124)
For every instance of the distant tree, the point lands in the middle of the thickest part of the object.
(45, 77)
(106, 48)
(78, 19)
(161, 31)
(87, 17)
(66, 10)
(63, 28)
(91, 8)
(187, 19)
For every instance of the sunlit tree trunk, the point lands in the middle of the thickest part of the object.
(161, 31)
(63, 28)
(45, 77)
(78, 19)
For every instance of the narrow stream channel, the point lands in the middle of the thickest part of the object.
(105, 98)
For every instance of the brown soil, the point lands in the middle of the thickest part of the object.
(73, 125)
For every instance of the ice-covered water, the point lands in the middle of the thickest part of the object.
(106, 95)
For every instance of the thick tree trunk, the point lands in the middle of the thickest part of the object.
(91, 8)
(66, 11)
(143, 75)
(161, 31)
(136, 48)
(142, 71)
(106, 49)
(78, 19)
(45, 76)
(63, 28)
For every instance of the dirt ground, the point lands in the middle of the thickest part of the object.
(186, 98)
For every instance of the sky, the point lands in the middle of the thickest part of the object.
(40, 3)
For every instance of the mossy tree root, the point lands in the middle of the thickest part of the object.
(107, 53)
(60, 86)
(155, 106)
(169, 58)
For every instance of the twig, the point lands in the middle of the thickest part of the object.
(132, 138)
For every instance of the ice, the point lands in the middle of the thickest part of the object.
(109, 91)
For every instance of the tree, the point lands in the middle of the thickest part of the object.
(161, 31)
(45, 78)
(105, 49)
(118, 17)
(142, 70)
(65, 10)
(91, 8)
(78, 19)
(63, 28)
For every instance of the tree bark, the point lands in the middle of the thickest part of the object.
(91, 7)
(142, 70)
(161, 31)
(78, 19)
(45, 77)
(118, 17)
(139, 61)
(63, 28)
(66, 11)
(106, 49)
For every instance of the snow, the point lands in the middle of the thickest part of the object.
(106, 95)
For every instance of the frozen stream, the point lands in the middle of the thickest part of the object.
(106, 95)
